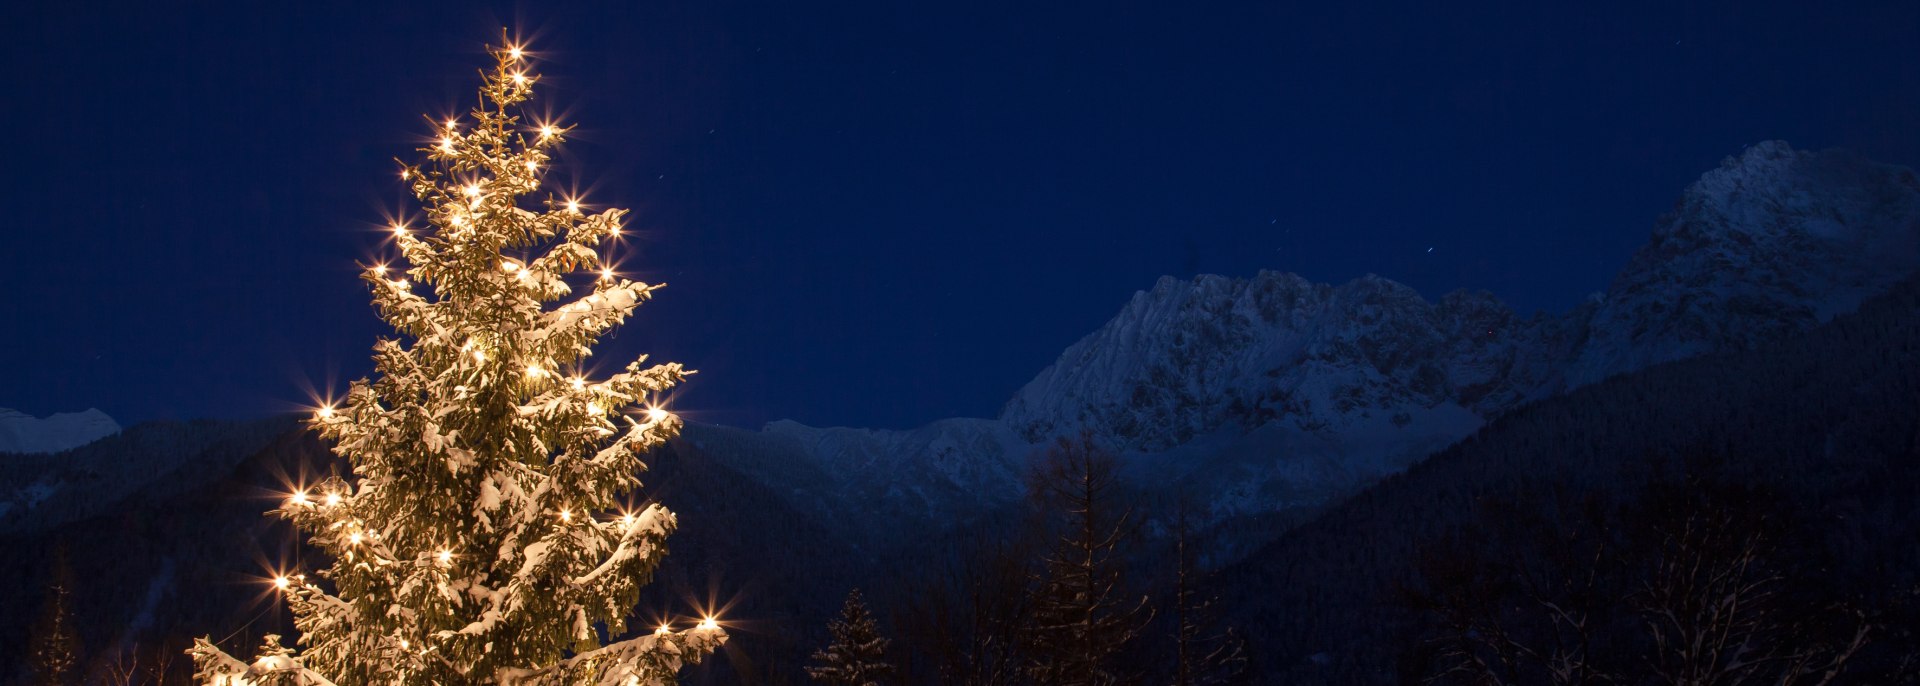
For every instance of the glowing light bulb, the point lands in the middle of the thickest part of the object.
(519, 78)
(514, 52)
(479, 356)
(404, 645)
(615, 230)
(579, 383)
(404, 174)
(399, 229)
(333, 499)
(533, 370)
(300, 498)
(452, 122)
(282, 582)
(446, 143)
(664, 629)
(546, 131)
(508, 267)
(326, 412)
(380, 269)
(354, 538)
(656, 414)
(606, 274)
(532, 165)
(566, 515)
(459, 221)
(402, 284)
(573, 206)
(472, 190)
(446, 556)
(708, 623)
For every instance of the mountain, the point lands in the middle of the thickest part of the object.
(1272, 394)
(23, 433)
(1271, 400)
(1818, 432)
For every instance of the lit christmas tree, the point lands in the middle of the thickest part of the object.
(483, 540)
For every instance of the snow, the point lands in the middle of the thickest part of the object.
(1272, 392)
(23, 433)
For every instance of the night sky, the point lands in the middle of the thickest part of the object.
(872, 214)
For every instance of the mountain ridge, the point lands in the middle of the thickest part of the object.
(1272, 392)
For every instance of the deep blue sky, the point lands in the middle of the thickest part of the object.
(873, 214)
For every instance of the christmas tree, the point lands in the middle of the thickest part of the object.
(53, 656)
(857, 656)
(484, 537)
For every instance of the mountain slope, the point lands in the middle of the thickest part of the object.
(1828, 418)
(1274, 394)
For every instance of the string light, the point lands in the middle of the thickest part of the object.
(656, 414)
(446, 556)
(300, 498)
(514, 52)
(333, 499)
(566, 515)
(446, 143)
(508, 267)
(404, 645)
(664, 629)
(399, 229)
(573, 206)
(519, 78)
(354, 538)
(326, 412)
(400, 284)
(452, 122)
(380, 269)
(606, 274)
(532, 165)
(546, 131)
(615, 230)
(282, 583)
(533, 370)
(479, 356)
(473, 189)
(709, 624)
(579, 383)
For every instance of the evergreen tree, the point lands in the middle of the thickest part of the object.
(857, 656)
(483, 537)
(54, 652)
(1082, 618)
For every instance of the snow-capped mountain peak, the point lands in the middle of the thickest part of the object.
(23, 433)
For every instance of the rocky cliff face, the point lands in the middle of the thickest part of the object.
(1775, 240)
(1264, 394)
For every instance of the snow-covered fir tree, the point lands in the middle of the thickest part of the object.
(857, 656)
(486, 534)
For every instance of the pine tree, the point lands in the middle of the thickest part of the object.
(482, 537)
(53, 655)
(857, 656)
(1082, 619)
